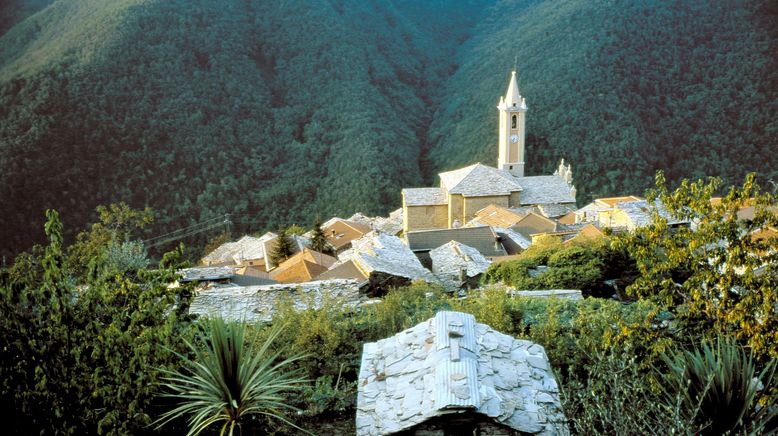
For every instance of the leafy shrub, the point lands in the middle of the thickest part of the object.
(328, 395)
(491, 307)
(612, 397)
(714, 389)
(83, 360)
(580, 266)
(403, 308)
(325, 336)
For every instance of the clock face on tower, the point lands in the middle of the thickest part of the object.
(514, 138)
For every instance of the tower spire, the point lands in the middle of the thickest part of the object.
(512, 96)
(512, 110)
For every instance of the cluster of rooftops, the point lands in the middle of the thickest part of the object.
(376, 253)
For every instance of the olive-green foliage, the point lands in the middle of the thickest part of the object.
(578, 337)
(713, 273)
(713, 389)
(581, 266)
(228, 382)
(83, 359)
(612, 397)
(117, 224)
(404, 308)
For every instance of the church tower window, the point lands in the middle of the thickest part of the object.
(513, 122)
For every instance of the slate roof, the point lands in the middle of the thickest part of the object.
(450, 364)
(534, 223)
(246, 248)
(545, 190)
(298, 244)
(250, 248)
(343, 270)
(482, 239)
(340, 233)
(552, 210)
(424, 196)
(613, 201)
(640, 212)
(449, 259)
(387, 254)
(245, 280)
(259, 303)
(479, 180)
(497, 216)
(562, 294)
(390, 225)
(205, 273)
(520, 240)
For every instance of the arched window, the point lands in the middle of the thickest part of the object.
(513, 122)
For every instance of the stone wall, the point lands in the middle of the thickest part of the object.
(259, 303)
(474, 204)
(425, 217)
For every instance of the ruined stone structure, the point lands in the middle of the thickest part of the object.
(451, 375)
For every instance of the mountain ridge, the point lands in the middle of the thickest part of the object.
(278, 113)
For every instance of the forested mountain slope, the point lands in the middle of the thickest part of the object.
(621, 89)
(273, 111)
(278, 112)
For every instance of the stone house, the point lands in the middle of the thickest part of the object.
(382, 261)
(302, 267)
(458, 266)
(483, 239)
(630, 215)
(465, 191)
(451, 375)
(591, 212)
(534, 223)
(340, 233)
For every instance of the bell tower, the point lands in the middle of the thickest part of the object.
(512, 111)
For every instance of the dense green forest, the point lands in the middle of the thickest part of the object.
(279, 112)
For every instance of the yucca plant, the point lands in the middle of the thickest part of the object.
(227, 383)
(714, 388)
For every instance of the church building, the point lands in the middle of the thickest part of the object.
(463, 192)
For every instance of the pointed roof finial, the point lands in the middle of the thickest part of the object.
(512, 96)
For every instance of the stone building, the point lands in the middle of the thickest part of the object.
(451, 375)
(463, 192)
(458, 266)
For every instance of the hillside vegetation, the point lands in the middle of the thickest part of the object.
(278, 112)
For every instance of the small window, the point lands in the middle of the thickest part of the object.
(510, 167)
(513, 122)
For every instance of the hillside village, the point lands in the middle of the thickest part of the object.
(453, 373)
(448, 235)
(465, 311)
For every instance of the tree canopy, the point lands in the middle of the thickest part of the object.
(720, 271)
(202, 108)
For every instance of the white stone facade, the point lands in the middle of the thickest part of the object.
(450, 367)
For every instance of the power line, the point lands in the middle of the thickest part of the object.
(192, 230)
(184, 229)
